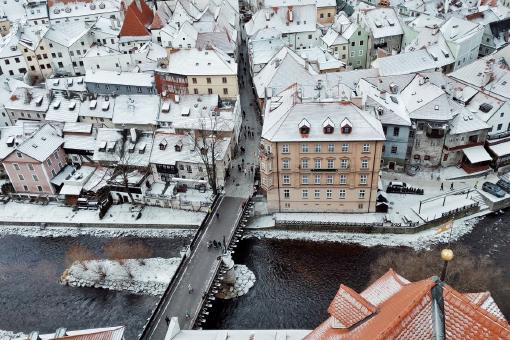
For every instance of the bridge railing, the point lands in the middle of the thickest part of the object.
(179, 271)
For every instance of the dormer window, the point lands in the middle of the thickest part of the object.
(163, 144)
(178, 146)
(328, 127)
(346, 126)
(304, 127)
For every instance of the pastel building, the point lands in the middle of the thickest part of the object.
(33, 159)
(319, 156)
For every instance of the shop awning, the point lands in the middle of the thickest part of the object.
(501, 149)
(477, 154)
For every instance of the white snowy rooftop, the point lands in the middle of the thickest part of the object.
(42, 143)
(120, 78)
(67, 33)
(101, 107)
(63, 109)
(477, 154)
(500, 149)
(136, 109)
(76, 84)
(201, 62)
(383, 22)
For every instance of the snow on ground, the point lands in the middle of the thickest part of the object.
(266, 221)
(117, 214)
(421, 240)
(141, 276)
(245, 279)
(6, 335)
(36, 231)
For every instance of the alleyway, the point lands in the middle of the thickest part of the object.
(240, 184)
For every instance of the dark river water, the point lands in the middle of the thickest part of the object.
(296, 281)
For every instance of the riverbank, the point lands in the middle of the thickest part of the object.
(118, 216)
(7, 335)
(420, 240)
(140, 276)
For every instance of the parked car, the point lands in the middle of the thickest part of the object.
(503, 185)
(493, 189)
(397, 184)
(412, 170)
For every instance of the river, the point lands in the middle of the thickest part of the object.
(296, 281)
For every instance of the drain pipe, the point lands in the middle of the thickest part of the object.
(438, 322)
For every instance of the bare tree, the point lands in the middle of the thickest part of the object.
(466, 272)
(118, 250)
(207, 141)
(80, 255)
(130, 164)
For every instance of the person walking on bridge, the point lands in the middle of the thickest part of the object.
(167, 319)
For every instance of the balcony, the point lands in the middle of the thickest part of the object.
(435, 130)
(324, 170)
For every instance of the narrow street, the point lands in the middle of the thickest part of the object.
(240, 184)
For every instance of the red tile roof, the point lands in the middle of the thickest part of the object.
(403, 310)
(349, 308)
(137, 19)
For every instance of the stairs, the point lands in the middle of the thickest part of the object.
(475, 196)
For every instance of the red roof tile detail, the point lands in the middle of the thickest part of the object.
(136, 20)
(349, 308)
(156, 22)
(405, 312)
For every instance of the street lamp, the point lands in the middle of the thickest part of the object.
(447, 256)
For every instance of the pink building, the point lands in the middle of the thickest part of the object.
(32, 160)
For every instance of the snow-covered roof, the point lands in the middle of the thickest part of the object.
(477, 154)
(465, 121)
(106, 26)
(500, 149)
(31, 36)
(28, 99)
(77, 128)
(67, 33)
(63, 109)
(455, 29)
(326, 3)
(484, 105)
(9, 46)
(100, 107)
(286, 19)
(138, 153)
(110, 333)
(75, 84)
(108, 145)
(218, 39)
(42, 143)
(62, 10)
(200, 62)
(119, 78)
(80, 142)
(332, 38)
(405, 63)
(136, 109)
(281, 124)
(383, 22)
(164, 151)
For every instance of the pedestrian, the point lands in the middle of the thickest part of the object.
(245, 171)
(251, 168)
(242, 160)
(476, 185)
(431, 176)
(244, 114)
(244, 135)
(209, 211)
(167, 319)
(190, 288)
(217, 215)
(451, 186)
(441, 186)
(187, 315)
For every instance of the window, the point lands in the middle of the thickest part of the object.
(343, 179)
(225, 90)
(317, 148)
(322, 15)
(39, 188)
(286, 193)
(21, 178)
(317, 164)
(501, 114)
(309, 36)
(19, 155)
(209, 91)
(361, 193)
(35, 178)
(361, 43)
(16, 166)
(317, 193)
(224, 80)
(500, 126)
(345, 148)
(285, 164)
(329, 179)
(352, 53)
(317, 179)
(331, 147)
(194, 80)
(304, 147)
(285, 148)
(25, 188)
(342, 193)
(366, 147)
(394, 149)
(304, 193)
(304, 164)
(331, 163)
(208, 80)
(195, 91)
(286, 179)
(364, 163)
(353, 43)
(304, 179)
(344, 163)
(360, 53)
(329, 194)
(188, 169)
(363, 179)
(396, 131)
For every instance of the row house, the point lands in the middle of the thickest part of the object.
(27, 104)
(12, 62)
(90, 11)
(200, 72)
(113, 82)
(319, 156)
(33, 160)
(36, 51)
(385, 32)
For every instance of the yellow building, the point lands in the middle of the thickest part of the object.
(319, 157)
(326, 11)
(200, 71)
